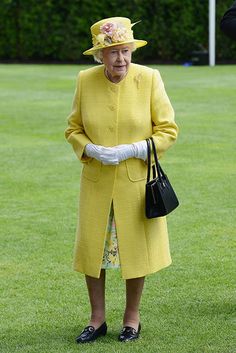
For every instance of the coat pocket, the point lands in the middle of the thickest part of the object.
(92, 170)
(136, 169)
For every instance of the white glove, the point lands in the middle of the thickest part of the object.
(106, 155)
(140, 149)
(124, 152)
(117, 154)
(134, 150)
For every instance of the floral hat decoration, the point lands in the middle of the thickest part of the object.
(112, 31)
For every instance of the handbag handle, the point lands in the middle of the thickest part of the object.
(148, 159)
(156, 168)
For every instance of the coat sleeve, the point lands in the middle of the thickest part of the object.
(165, 129)
(75, 133)
(228, 22)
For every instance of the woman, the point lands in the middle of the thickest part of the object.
(117, 106)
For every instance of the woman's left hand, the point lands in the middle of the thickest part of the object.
(124, 152)
(134, 150)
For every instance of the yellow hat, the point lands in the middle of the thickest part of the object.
(112, 31)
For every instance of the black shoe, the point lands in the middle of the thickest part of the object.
(129, 333)
(89, 334)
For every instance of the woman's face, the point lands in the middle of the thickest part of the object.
(117, 60)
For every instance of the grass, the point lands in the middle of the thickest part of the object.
(187, 308)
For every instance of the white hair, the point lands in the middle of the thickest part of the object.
(98, 54)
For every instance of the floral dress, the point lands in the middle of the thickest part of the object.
(111, 251)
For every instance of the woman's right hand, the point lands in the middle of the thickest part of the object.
(105, 155)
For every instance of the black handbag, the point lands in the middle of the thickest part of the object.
(160, 198)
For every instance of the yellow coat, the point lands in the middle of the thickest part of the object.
(110, 114)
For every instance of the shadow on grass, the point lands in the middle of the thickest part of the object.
(50, 339)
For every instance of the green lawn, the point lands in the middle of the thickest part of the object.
(187, 308)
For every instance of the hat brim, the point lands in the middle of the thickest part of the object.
(138, 43)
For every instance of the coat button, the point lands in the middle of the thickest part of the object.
(112, 108)
(111, 128)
